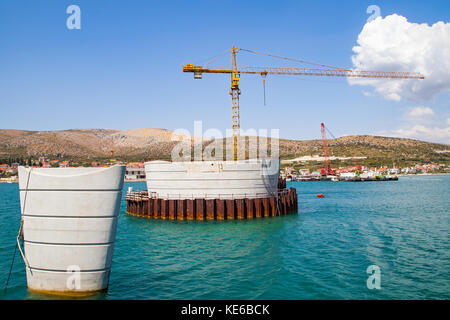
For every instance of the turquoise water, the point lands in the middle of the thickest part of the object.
(321, 253)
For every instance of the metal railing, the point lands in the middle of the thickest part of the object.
(142, 194)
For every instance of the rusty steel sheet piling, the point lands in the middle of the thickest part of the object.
(273, 206)
(190, 209)
(231, 210)
(145, 211)
(265, 203)
(282, 203)
(164, 209)
(181, 209)
(150, 206)
(200, 209)
(258, 208)
(240, 209)
(156, 208)
(249, 208)
(220, 209)
(210, 208)
(172, 209)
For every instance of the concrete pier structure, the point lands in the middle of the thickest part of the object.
(69, 218)
(254, 178)
(213, 190)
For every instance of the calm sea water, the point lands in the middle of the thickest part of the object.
(321, 253)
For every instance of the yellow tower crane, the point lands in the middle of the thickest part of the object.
(264, 71)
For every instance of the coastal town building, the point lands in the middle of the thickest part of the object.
(64, 164)
(135, 171)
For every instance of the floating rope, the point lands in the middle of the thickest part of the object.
(11, 268)
(25, 260)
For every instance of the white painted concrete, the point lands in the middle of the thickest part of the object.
(69, 223)
(212, 179)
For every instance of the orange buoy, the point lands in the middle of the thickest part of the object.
(320, 195)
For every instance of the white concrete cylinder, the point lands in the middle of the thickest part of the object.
(254, 178)
(69, 226)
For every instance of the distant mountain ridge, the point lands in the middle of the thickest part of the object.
(83, 143)
(138, 144)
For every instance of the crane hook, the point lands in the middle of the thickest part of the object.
(263, 75)
(264, 85)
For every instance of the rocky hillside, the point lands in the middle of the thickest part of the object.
(369, 146)
(86, 143)
(377, 150)
(138, 144)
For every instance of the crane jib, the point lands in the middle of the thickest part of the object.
(309, 72)
(327, 71)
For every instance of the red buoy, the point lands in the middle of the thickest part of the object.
(320, 195)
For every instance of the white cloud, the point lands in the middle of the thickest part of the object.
(394, 44)
(422, 125)
(420, 112)
(421, 132)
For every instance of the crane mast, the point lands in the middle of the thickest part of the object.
(235, 92)
(328, 170)
(264, 71)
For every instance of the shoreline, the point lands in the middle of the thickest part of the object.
(424, 174)
(400, 175)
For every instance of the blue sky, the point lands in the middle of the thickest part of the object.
(123, 68)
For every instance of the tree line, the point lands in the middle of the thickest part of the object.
(20, 160)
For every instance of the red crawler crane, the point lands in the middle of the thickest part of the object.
(327, 171)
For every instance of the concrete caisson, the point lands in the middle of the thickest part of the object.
(69, 218)
(212, 179)
(214, 190)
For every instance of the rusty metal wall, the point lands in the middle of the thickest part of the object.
(139, 204)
